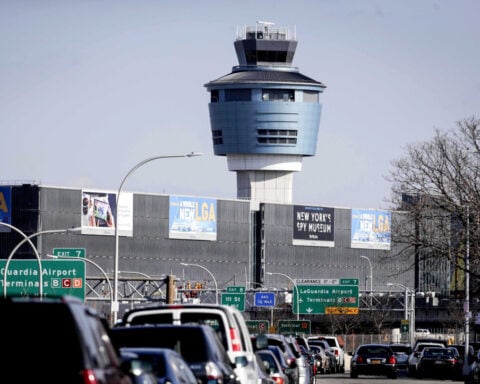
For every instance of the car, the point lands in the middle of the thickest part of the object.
(437, 362)
(291, 369)
(167, 365)
(337, 348)
(263, 341)
(402, 352)
(58, 340)
(413, 358)
(264, 375)
(305, 374)
(226, 320)
(322, 361)
(374, 359)
(461, 350)
(140, 371)
(273, 366)
(422, 332)
(460, 361)
(311, 358)
(332, 359)
(435, 340)
(198, 345)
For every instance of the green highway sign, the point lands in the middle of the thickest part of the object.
(292, 327)
(258, 326)
(75, 252)
(236, 289)
(59, 277)
(236, 300)
(334, 296)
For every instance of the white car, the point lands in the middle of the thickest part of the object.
(336, 348)
(422, 332)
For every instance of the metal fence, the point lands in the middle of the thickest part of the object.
(352, 341)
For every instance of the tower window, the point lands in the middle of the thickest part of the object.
(238, 94)
(310, 97)
(214, 96)
(278, 95)
(217, 137)
(254, 56)
(277, 136)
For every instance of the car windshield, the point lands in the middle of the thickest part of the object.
(374, 350)
(401, 349)
(440, 353)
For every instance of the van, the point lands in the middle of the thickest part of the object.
(226, 320)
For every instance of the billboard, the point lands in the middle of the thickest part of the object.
(192, 218)
(313, 226)
(371, 229)
(5, 207)
(99, 210)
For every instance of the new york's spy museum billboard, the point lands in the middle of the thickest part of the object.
(313, 226)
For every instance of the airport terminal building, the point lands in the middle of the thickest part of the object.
(264, 116)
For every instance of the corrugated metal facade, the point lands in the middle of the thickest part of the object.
(246, 242)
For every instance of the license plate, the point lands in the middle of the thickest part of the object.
(376, 361)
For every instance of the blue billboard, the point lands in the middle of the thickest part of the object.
(192, 218)
(371, 229)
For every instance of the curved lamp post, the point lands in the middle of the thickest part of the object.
(296, 289)
(91, 262)
(28, 239)
(114, 303)
(210, 273)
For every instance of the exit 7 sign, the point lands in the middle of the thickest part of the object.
(69, 252)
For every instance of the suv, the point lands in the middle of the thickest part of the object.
(58, 340)
(336, 348)
(227, 321)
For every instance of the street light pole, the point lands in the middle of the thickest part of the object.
(114, 306)
(371, 276)
(211, 274)
(29, 240)
(296, 289)
(408, 308)
(88, 261)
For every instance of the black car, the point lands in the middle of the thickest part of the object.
(198, 344)
(437, 362)
(58, 340)
(374, 359)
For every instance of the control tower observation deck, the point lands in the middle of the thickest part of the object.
(265, 114)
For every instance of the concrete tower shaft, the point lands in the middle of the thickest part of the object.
(265, 114)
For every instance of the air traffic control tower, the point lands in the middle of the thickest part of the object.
(265, 114)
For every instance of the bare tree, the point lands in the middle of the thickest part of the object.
(437, 185)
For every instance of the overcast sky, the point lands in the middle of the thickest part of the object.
(88, 89)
